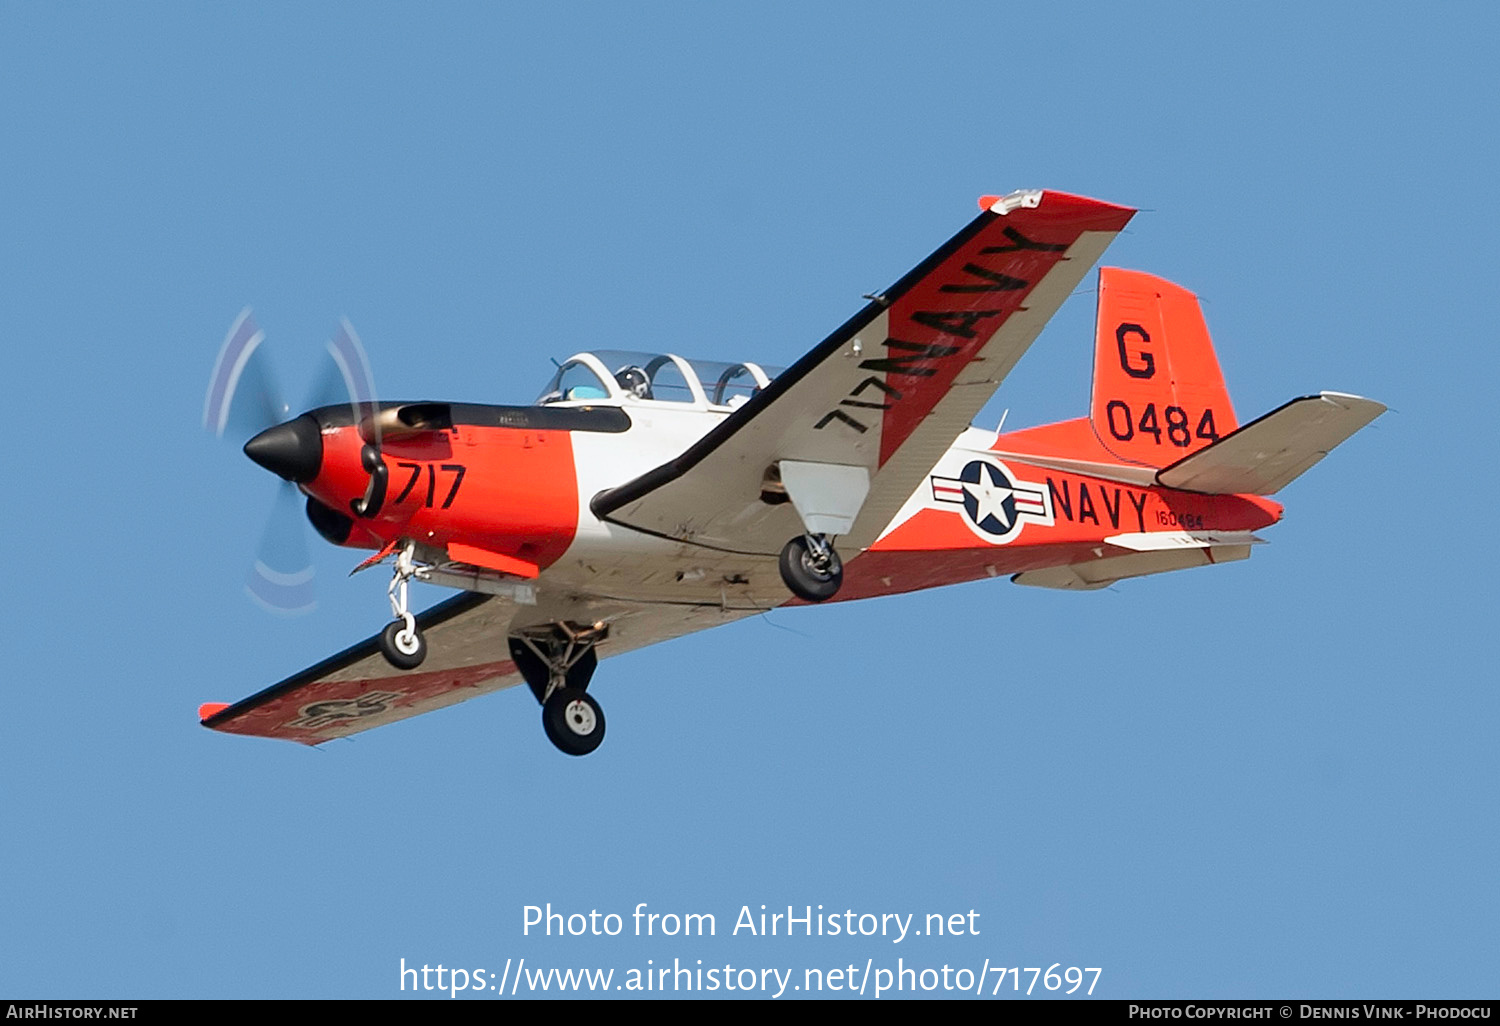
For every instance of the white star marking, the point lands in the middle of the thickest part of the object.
(991, 498)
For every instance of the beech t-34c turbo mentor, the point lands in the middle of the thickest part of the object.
(647, 496)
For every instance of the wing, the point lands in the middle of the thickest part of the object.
(357, 689)
(467, 656)
(883, 397)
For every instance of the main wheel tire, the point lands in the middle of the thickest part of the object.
(573, 721)
(402, 650)
(802, 574)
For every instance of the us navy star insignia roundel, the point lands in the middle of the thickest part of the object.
(995, 504)
(319, 715)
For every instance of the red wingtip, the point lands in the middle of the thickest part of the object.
(985, 202)
(208, 709)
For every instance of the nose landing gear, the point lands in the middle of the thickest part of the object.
(401, 642)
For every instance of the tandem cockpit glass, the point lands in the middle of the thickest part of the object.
(619, 377)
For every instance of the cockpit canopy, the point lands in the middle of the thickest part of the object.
(610, 376)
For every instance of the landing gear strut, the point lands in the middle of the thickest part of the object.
(401, 642)
(811, 569)
(557, 661)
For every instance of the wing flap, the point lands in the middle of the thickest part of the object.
(1267, 454)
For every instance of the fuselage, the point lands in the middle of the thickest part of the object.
(504, 493)
(514, 482)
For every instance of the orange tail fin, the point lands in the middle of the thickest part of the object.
(1158, 392)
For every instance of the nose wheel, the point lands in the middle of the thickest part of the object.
(402, 643)
(811, 568)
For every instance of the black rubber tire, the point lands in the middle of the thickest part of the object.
(563, 721)
(393, 655)
(805, 580)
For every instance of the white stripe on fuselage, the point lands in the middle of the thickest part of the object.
(658, 434)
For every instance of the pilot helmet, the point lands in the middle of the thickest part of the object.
(633, 381)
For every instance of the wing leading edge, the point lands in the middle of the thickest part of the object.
(890, 389)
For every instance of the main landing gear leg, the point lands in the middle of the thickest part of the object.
(557, 661)
(401, 642)
(811, 569)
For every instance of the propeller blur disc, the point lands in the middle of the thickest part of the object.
(281, 581)
(242, 401)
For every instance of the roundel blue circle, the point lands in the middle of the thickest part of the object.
(993, 517)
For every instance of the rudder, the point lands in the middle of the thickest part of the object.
(1158, 392)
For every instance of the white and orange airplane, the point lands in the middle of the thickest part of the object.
(646, 496)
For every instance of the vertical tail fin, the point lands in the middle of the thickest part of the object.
(1158, 392)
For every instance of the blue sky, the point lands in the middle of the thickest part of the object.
(1274, 778)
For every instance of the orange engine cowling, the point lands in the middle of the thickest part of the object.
(505, 490)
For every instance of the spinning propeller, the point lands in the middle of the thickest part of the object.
(244, 401)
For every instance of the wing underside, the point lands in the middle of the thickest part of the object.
(468, 656)
(887, 392)
(357, 689)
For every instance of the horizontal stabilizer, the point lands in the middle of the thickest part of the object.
(1158, 541)
(1101, 573)
(1267, 454)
